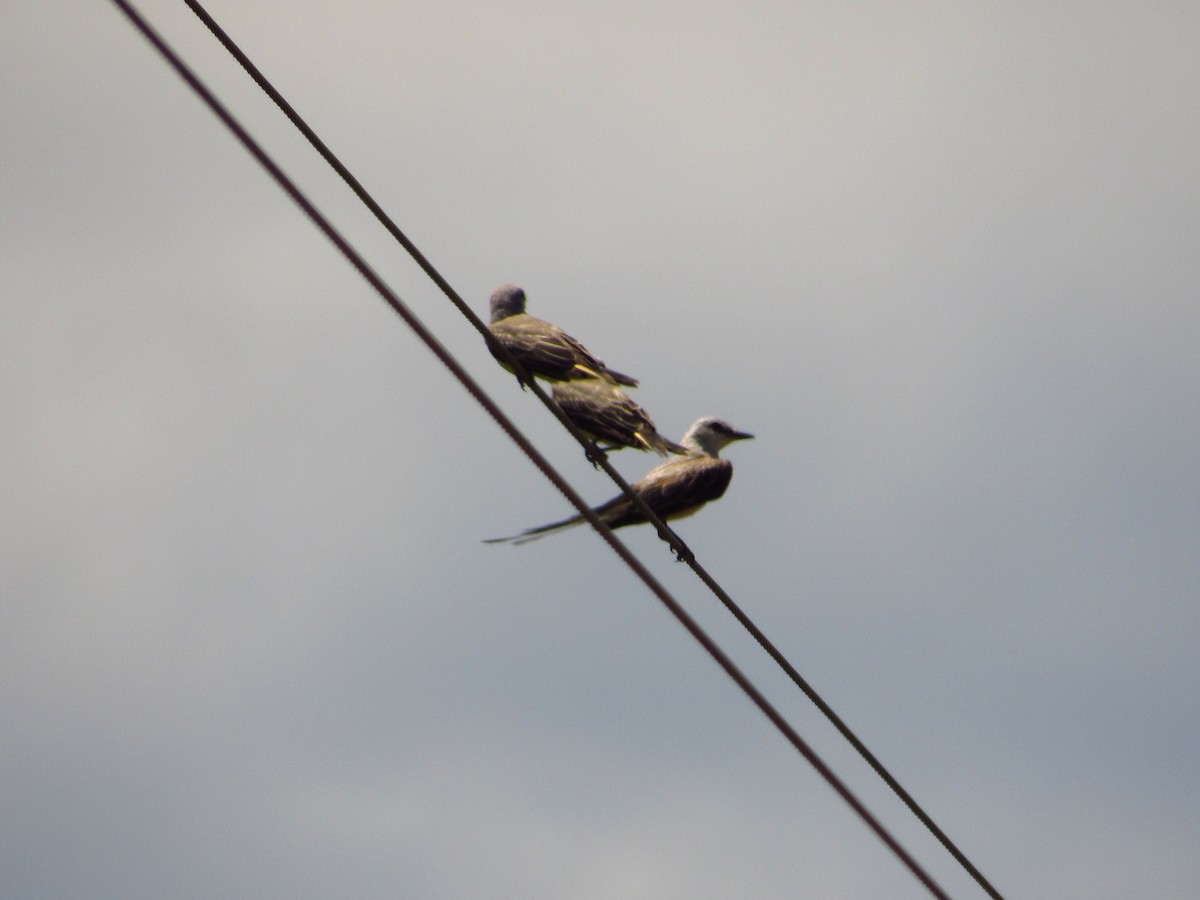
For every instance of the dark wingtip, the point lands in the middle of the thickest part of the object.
(661, 445)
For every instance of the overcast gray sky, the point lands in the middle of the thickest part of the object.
(941, 258)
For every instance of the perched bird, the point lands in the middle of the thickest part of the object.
(608, 416)
(543, 349)
(676, 488)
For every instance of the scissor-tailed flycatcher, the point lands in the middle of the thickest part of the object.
(608, 415)
(675, 489)
(543, 349)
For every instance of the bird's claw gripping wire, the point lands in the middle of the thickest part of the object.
(682, 552)
(398, 305)
(595, 455)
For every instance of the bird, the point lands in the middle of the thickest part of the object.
(610, 417)
(674, 489)
(543, 349)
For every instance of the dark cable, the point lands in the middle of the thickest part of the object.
(681, 550)
(597, 456)
(523, 443)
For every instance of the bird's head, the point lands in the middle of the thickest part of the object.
(507, 300)
(710, 434)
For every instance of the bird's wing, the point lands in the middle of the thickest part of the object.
(545, 349)
(677, 488)
(588, 365)
(539, 346)
(603, 411)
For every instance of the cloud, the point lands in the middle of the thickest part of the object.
(939, 262)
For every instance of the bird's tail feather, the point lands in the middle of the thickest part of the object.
(534, 534)
(601, 372)
(622, 378)
(659, 444)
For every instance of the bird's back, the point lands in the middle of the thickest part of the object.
(545, 349)
(675, 489)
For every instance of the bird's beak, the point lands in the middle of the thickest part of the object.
(742, 436)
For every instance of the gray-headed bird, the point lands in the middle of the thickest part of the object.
(608, 416)
(676, 488)
(543, 349)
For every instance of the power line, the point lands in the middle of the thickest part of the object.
(594, 454)
(681, 550)
(447, 359)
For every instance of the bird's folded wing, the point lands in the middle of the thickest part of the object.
(677, 488)
(602, 410)
(538, 345)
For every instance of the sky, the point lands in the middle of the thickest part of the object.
(941, 259)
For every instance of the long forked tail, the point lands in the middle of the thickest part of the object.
(534, 534)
